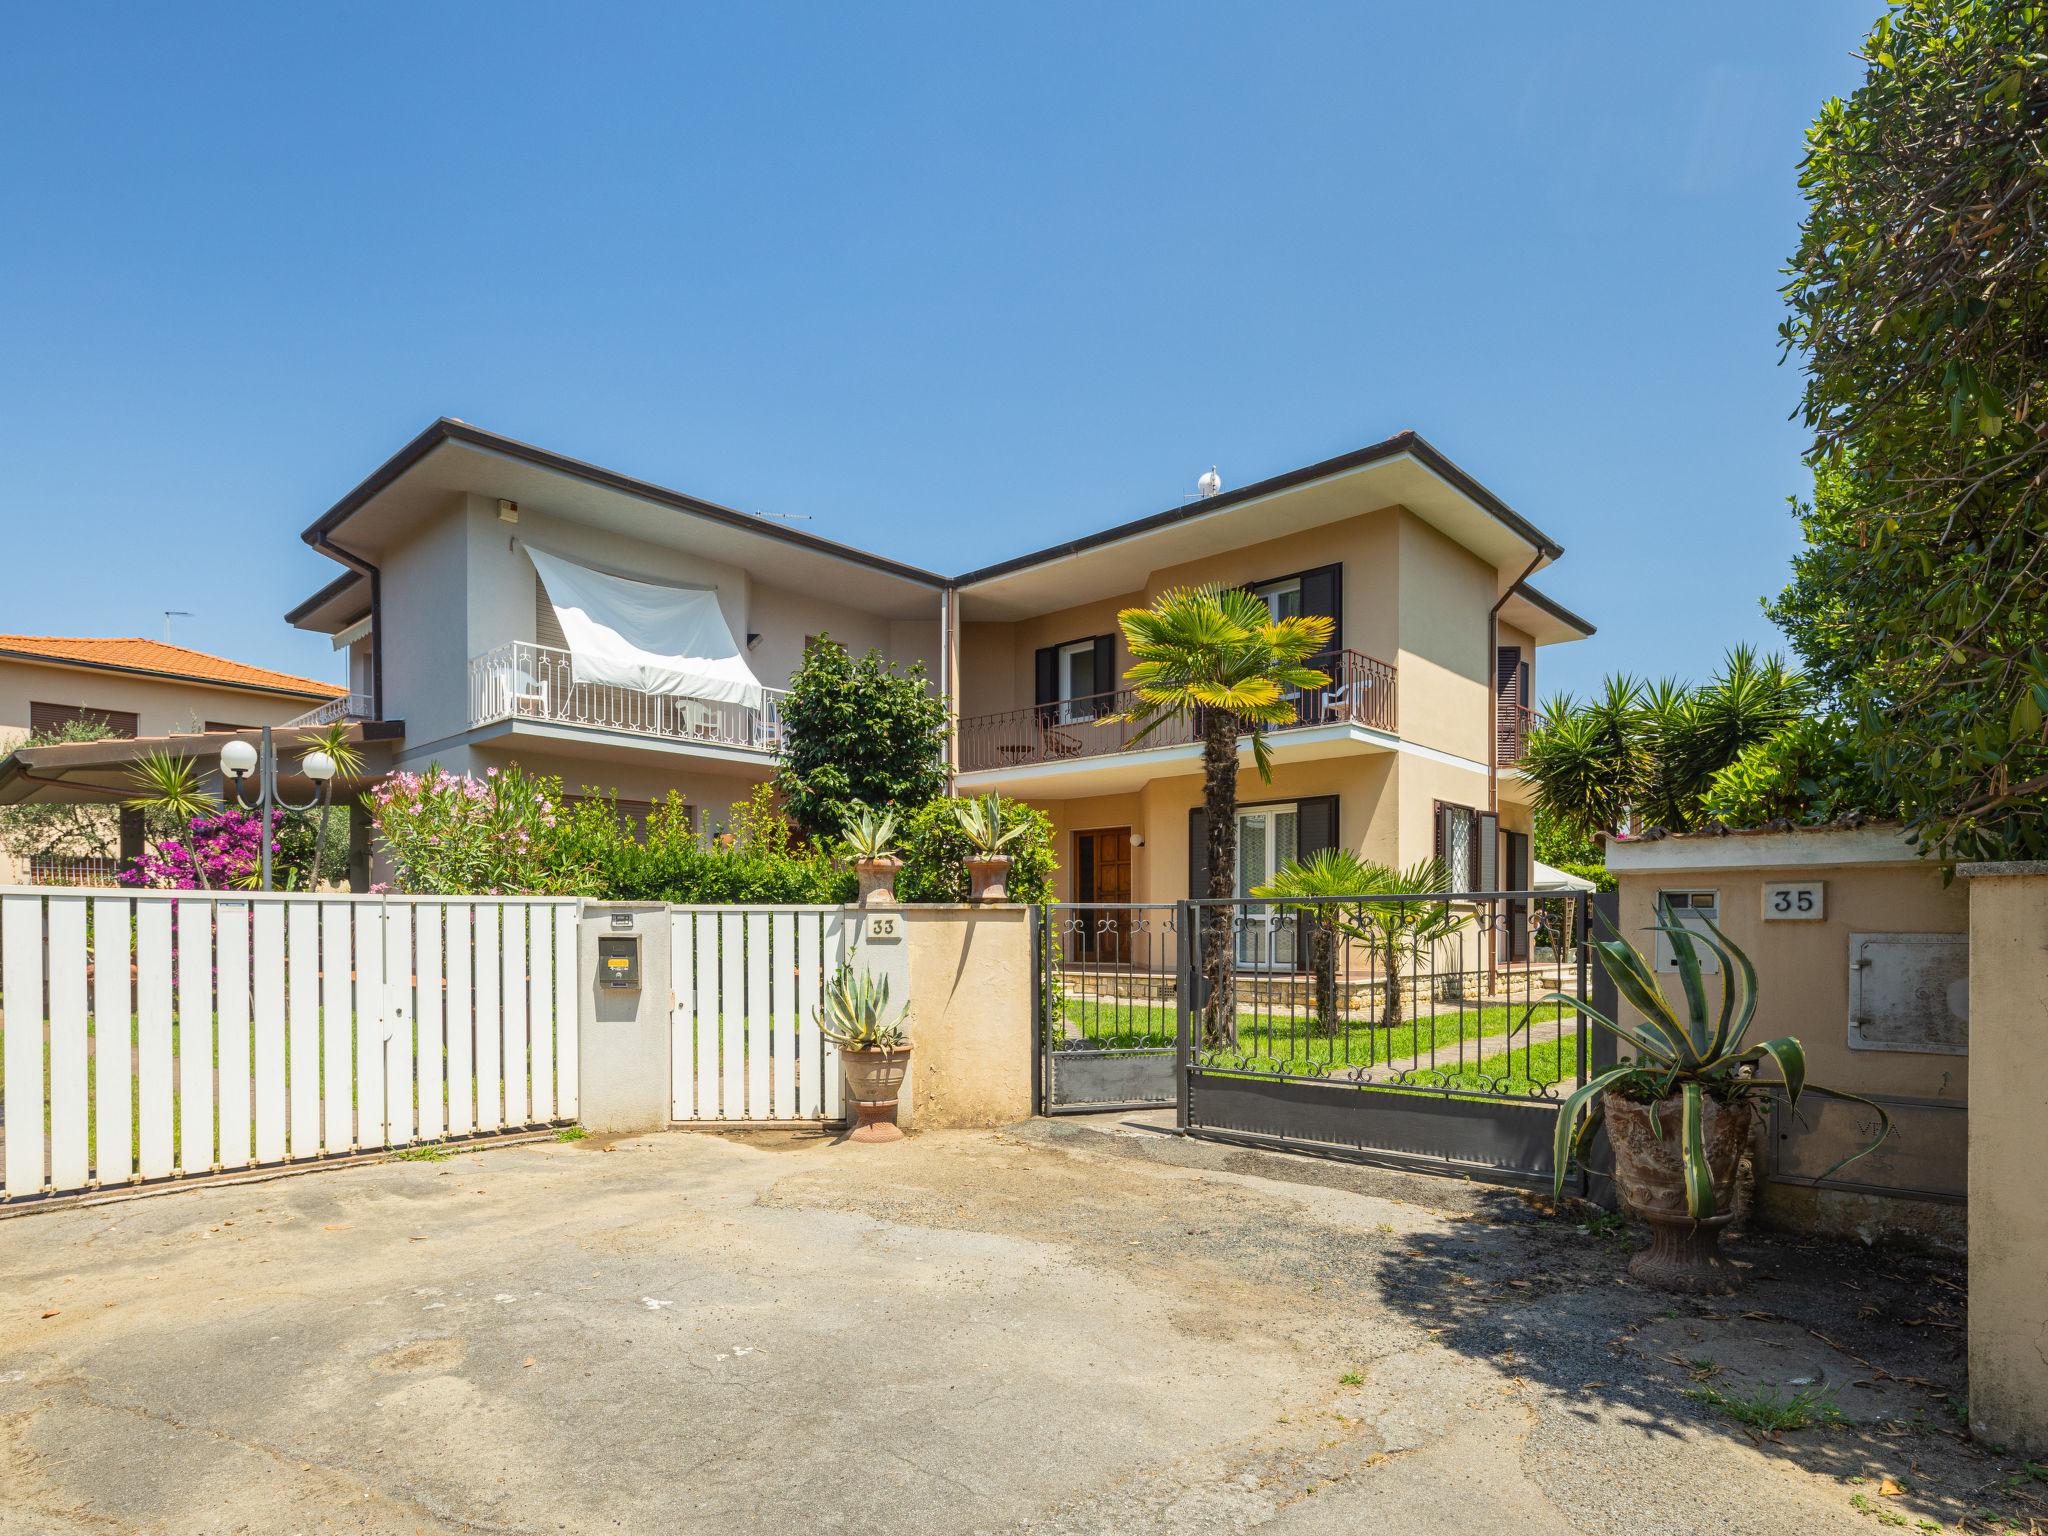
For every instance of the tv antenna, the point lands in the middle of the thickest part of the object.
(170, 614)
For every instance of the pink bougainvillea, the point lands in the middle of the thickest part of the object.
(226, 848)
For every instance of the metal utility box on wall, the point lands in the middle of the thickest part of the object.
(1909, 992)
(618, 962)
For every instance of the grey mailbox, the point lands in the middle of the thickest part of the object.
(618, 962)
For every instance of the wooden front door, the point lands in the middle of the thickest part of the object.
(1102, 873)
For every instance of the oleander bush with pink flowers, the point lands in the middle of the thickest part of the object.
(453, 834)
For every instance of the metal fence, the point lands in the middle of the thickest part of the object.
(1106, 983)
(1388, 1024)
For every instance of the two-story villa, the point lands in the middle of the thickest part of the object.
(502, 603)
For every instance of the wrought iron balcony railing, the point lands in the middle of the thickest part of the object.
(1360, 692)
(1511, 729)
(523, 681)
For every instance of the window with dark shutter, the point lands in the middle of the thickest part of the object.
(48, 719)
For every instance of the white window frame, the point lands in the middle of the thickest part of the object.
(1277, 589)
(1064, 677)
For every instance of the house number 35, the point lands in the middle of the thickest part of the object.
(1793, 902)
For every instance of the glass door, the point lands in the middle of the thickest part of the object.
(1267, 839)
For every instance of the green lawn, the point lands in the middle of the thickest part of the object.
(1442, 1040)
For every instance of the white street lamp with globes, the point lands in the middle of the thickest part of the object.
(238, 760)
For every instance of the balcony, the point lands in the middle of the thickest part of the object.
(1360, 692)
(522, 682)
(349, 706)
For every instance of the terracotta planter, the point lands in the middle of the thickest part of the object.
(986, 878)
(874, 1081)
(877, 881)
(1684, 1254)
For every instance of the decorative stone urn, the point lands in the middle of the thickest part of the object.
(878, 880)
(987, 878)
(1684, 1253)
(874, 1081)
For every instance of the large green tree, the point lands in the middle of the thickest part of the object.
(860, 732)
(1919, 305)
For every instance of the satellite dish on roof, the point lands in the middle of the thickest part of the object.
(1209, 484)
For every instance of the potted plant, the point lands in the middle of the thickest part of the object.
(988, 867)
(1679, 1111)
(873, 1049)
(871, 838)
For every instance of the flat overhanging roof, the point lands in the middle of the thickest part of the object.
(99, 772)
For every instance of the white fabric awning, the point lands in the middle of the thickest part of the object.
(646, 636)
(1545, 877)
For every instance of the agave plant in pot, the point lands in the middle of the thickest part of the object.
(873, 1049)
(988, 867)
(871, 839)
(1679, 1111)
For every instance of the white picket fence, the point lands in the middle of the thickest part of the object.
(151, 1034)
(746, 1044)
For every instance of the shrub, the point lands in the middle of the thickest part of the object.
(857, 733)
(756, 860)
(215, 852)
(501, 835)
(935, 850)
(1806, 771)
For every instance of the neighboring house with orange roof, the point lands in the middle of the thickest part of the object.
(137, 687)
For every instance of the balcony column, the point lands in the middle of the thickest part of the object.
(949, 677)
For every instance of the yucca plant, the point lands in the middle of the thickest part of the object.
(1690, 1056)
(981, 820)
(348, 762)
(171, 783)
(870, 834)
(854, 1013)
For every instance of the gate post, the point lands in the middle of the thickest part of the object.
(624, 1037)
(1041, 1014)
(1598, 1048)
(1183, 1009)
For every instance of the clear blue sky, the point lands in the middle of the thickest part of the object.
(956, 282)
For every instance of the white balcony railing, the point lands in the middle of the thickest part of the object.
(349, 706)
(523, 681)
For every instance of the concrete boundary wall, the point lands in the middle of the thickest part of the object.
(2008, 1150)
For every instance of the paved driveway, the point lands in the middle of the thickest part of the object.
(1053, 1329)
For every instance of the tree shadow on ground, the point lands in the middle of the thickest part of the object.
(1873, 1340)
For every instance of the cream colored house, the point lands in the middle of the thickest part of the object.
(461, 650)
(135, 688)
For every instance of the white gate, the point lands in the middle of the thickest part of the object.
(746, 1041)
(151, 1033)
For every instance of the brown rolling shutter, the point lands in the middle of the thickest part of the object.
(50, 718)
(547, 627)
(1508, 703)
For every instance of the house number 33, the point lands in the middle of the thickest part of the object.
(1800, 901)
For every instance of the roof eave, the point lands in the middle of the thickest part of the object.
(449, 430)
(1410, 442)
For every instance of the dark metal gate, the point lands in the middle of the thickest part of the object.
(1106, 979)
(1400, 1028)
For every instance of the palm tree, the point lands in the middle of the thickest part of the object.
(1589, 761)
(1215, 656)
(1393, 930)
(172, 785)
